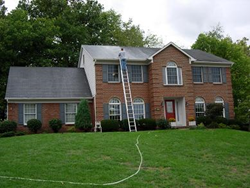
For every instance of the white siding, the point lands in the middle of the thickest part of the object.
(87, 62)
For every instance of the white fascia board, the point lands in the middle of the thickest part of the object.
(80, 57)
(177, 47)
(116, 61)
(44, 100)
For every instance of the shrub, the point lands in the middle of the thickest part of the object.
(234, 122)
(163, 124)
(71, 129)
(8, 134)
(213, 125)
(237, 127)
(55, 125)
(20, 133)
(221, 120)
(203, 119)
(201, 126)
(34, 125)
(147, 124)
(109, 125)
(214, 110)
(83, 118)
(222, 126)
(7, 126)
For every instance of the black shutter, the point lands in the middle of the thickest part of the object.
(145, 73)
(20, 114)
(124, 112)
(62, 112)
(224, 76)
(130, 67)
(205, 74)
(227, 110)
(106, 111)
(105, 73)
(147, 109)
(210, 75)
(39, 112)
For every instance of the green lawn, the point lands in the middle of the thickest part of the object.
(172, 158)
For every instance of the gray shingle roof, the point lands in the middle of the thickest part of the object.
(47, 83)
(140, 53)
(111, 52)
(200, 55)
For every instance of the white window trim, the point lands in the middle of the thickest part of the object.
(120, 107)
(67, 123)
(179, 82)
(202, 81)
(200, 103)
(144, 107)
(223, 104)
(28, 113)
(220, 76)
(119, 75)
(141, 75)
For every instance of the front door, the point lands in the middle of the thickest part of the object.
(170, 108)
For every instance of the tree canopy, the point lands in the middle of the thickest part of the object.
(239, 53)
(51, 32)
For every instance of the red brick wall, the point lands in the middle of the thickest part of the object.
(158, 91)
(49, 111)
(209, 92)
(106, 91)
(154, 91)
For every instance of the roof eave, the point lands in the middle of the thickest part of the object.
(229, 63)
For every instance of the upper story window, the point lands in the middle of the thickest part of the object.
(136, 73)
(173, 74)
(113, 73)
(199, 107)
(139, 108)
(115, 109)
(216, 75)
(70, 113)
(219, 100)
(29, 112)
(197, 74)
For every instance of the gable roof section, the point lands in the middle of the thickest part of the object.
(177, 47)
(47, 83)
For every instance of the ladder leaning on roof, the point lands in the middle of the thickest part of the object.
(128, 97)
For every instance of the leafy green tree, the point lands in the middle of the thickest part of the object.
(51, 32)
(83, 118)
(238, 52)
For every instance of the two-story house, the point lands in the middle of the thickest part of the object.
(165, 82)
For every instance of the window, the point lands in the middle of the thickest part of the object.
(199, 107)
(139, 108)
(113, 73)
(30, 112)
(216, 74)
(115, 109)
(219, 100)
(197, 74)
(70, 113)
(173, 74)
(136, 73)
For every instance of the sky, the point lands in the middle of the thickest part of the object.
(181, 21)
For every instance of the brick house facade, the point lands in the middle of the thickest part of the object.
(167, 82)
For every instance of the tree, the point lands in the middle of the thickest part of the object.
(83, 118)
(50, 33)
(238, 52)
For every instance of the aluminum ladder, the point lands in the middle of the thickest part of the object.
(128, 98)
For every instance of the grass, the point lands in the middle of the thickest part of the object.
(175, 158)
